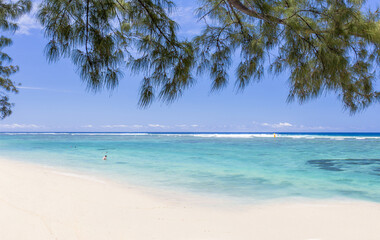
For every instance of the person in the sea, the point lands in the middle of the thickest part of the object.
(105, 157)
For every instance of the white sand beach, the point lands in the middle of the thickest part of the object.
(42, 203)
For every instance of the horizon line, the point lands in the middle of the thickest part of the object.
(184, 132)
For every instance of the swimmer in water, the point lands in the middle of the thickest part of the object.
(105, 157)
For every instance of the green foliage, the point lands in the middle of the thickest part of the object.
(9, 12)
(103, 36)
(325, 45)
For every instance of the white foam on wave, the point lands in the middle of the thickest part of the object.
(266, 135)
(109, 134)
(298, 136)
(338, 138)
(361, 138)
(30, 133)
(227, 135)
(214, 135)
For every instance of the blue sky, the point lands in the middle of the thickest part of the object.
(53, 98)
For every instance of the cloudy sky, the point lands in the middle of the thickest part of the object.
(53, 98)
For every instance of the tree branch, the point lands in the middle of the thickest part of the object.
(87, 12)
(155, 24)
(215, 7)
(241, 7)
(253, 13)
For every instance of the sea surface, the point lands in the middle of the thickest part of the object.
(246, 166)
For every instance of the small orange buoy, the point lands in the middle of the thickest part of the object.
(274, 135)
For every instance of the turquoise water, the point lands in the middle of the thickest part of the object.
(249, 166)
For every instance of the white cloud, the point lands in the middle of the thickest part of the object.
(183, 14)
(19, 126)
(31, 88)
(87, 126)
(277, 125)
(29, 22)
(315, 128)
(187, 126)
(115, 126)
(135, 126)
(156, 126)
(294, 127)
(187, 20)
(45, 89)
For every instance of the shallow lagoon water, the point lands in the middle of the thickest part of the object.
(249, 166)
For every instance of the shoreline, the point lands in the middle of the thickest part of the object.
(190, 197)
(40, 202)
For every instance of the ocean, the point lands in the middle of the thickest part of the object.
(244, 166)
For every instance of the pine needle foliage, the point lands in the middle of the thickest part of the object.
(325, 45)
(9, 12)
(101, 37)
